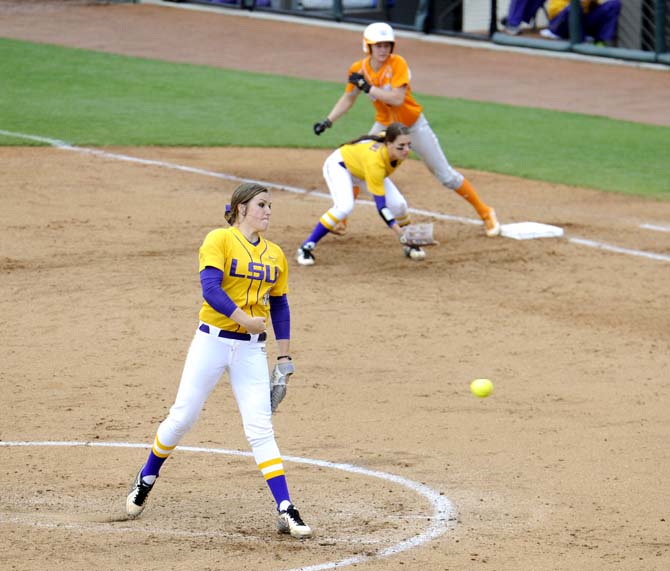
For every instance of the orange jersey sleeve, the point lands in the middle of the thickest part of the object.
(394, 73)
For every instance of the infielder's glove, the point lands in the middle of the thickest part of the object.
(322, 126)
(418, 235)
(406, 240)
(278, 381)
(359, 81)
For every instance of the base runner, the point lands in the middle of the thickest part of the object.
(385, 78)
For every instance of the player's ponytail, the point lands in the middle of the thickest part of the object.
(392, 132)
(242, 195)
(379, 138)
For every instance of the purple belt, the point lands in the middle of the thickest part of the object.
(232, 334)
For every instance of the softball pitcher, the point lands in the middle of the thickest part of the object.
(244, 279)
(385, 78)
(365, 164)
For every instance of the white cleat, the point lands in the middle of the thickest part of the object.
(137, 496)
(491, 224)
(290, 522)
(305, 257)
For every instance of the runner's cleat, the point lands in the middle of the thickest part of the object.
(491, 225)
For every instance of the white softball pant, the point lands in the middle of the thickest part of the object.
(426, 145)
(208, 358)
(341, 186)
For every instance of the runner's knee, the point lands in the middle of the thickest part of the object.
(452, 179)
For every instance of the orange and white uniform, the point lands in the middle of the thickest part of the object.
(394, 73)
(385, 78)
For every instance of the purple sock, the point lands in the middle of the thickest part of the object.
(153, 465)
(279, 489)
(319, 232)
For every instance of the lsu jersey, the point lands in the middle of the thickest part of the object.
(394, 73)
(251, 274)
(369, 160)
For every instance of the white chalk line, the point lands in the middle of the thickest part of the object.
(164, 164)
(63, 145)
(442, 519)
(618, 250)
(656, 227)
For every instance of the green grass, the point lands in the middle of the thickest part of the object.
(99, 99)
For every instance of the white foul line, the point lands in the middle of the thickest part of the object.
(618, 250)
(444, 513)
(117, 156)
(657, 227)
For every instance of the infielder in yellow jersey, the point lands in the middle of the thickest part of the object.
(385, 78)
(365, 163)
(244, 280)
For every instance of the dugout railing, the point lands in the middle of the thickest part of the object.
(643, 32)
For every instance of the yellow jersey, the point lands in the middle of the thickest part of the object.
(369, 160)
(251, 274)
(555, 7)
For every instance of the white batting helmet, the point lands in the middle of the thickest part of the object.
(377, 33)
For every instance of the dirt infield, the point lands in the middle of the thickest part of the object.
(563, 468)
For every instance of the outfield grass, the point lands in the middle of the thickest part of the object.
(100, 99)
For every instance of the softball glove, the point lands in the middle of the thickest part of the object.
(278, 382)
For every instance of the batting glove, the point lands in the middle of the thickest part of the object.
(359, 81)
(322, 126)
(278, 381)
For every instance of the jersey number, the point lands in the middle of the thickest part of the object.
(255, 271)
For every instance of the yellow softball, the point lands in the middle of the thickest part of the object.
(481, 387)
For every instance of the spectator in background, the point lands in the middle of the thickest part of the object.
(520, 11)
(599, 20)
